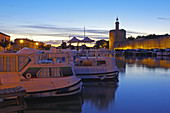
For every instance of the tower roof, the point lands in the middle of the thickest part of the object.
(117, 19)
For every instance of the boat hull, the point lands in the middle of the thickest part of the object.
(96, 69)
(59, 92)
(105, 76)
(49, 87)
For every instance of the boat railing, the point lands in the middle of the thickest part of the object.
(22, 62)
(16, 62)
(55, 57)
(13, 62)
(94, 53)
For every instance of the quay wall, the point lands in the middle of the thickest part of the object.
(161, 43)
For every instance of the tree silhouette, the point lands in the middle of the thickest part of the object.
(130, 38)
(63, 45)
(101, 44)
(4, 43)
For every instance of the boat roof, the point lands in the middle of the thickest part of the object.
(26, 50)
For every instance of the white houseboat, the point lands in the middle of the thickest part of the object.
(41, 74)
(96, 65)
(92, 64)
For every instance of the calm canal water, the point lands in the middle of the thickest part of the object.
(143, 87)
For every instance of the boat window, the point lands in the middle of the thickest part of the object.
(102, 62)
(63, 59)
(49, 72)
(87, 63)
(83, 63)
(66, 71)
(78, 63)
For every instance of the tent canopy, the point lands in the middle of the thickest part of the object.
(87, 39)
(73, 40)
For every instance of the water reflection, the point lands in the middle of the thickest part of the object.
(144, 89)
(71, 104)
(150, 62)
(99, 94)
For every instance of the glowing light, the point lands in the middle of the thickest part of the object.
(21, 41)
(36, 43)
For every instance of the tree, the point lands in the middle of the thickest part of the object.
(4, 43)
(47, 47)
(151, 36)
(63, 45)
(130, 38)
(101, 44)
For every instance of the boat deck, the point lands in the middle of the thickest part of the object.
(8, 104)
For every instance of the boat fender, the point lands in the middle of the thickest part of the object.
(103, 77)
(87, 58)
(28, 75)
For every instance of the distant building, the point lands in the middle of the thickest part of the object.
(4, 37)
(162, 42)
(117, 40)
(117, 36)
(19, 43)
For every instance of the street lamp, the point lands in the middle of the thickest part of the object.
(21, 41)
(36, 43)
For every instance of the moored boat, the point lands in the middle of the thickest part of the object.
(40, 75)
(96, 65)
(90, 65)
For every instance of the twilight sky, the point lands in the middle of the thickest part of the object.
(51, 21)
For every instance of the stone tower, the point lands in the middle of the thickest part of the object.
(117, 24)
(117, 36)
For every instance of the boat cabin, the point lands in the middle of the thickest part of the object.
(45, 72)
(90, 63)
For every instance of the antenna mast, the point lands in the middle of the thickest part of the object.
(84, 32)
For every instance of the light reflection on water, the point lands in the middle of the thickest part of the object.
(144, 87)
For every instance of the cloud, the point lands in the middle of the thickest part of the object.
(49, 34)
(101, 37)
(61, 33)
(98, 31)
(64, 29)
(50, 27)
(71, 31)
(53, 42)
(54, 31)
(166, 19)
(134, 32)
